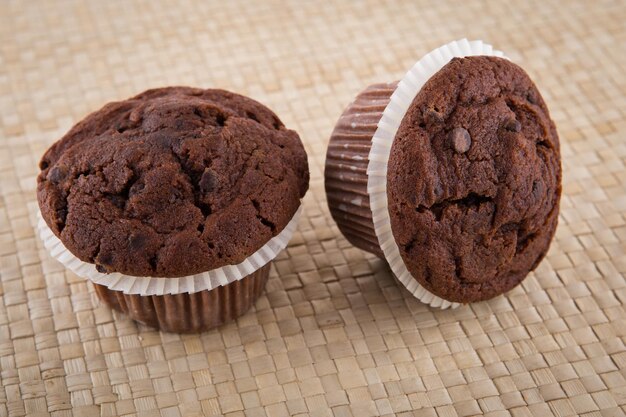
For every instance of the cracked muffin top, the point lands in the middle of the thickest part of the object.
(172, 182)
(474, 180)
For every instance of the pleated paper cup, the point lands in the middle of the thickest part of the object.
(358, 154)
(186, 304)
(190, 312)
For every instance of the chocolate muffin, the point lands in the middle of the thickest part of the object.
(473, 179)
(173, 183)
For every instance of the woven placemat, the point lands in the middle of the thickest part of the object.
(333, 334)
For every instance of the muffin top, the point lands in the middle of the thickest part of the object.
(474, 180)
(172, 182)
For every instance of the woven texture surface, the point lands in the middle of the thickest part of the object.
(333, 333)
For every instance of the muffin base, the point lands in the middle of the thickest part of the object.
(189, 313)
(347, 158)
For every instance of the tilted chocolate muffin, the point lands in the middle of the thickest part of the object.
(476, 180)
(172, 183)
(473, 178)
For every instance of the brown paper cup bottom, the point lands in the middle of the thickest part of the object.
(190, 313)
(345, 171)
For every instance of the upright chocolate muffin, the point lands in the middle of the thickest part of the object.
(177, 183)
(471, 179)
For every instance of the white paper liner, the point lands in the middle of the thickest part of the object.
(403, 96)
(162, 286)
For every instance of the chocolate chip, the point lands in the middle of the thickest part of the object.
(57, 174)
(101, 269)
(208, 182)
(512, 125)
(136, 241)
(460, 139)
(105, 258)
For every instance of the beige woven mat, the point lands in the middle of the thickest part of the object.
(333, 334)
